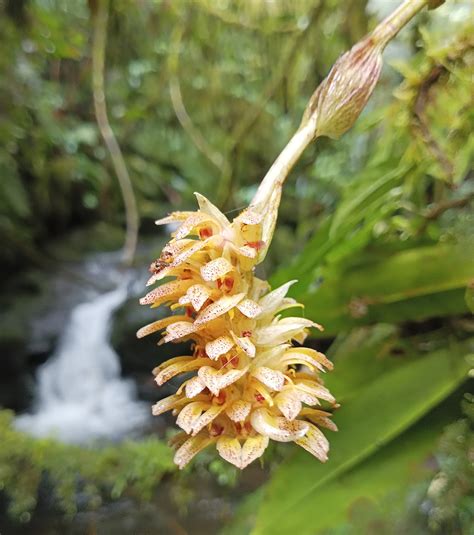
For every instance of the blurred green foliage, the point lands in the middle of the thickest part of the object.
(377, 227)
(133, 468)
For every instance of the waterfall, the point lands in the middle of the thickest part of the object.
(81, 396)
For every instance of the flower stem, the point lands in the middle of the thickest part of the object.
(391, 25)
(306, 133)
(100, 18)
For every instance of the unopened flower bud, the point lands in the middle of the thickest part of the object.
(343, 94)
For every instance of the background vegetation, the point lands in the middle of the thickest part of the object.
(377, 228)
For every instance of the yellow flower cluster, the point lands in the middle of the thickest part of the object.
(247, 382)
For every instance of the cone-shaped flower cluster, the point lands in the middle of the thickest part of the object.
(246, 383)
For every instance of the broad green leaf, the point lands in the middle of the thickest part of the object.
(469, 296)
(388, 471)
(378, 414)
(360, 357)
(408, 285)
(361, 195)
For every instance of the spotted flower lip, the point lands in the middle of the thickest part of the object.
(246, 382)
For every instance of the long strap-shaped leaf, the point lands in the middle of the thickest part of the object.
(384, 410)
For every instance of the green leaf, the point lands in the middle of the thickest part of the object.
(389, 471)
(408, 285)
(382, 411)
(469, 296)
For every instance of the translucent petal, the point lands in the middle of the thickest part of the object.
(277, 427)
(165, 292)
(189, 414)
(274, 299)
(247, 251)
(197, 295)
(245, 344)
(302, 321)
(249, 308)
(219, 347)
(272, 379)
(190, 448)
(249, 217)
(194, 387)
(207, 207)
(253, 448)
(174, 217)
(241, 456)
(230, 450)
(219, 307)
(165, 404)
(239, 410)
(158, 325)
(315, 442)
(165, 272)
(178, 330)
(196, 246)
(306, 355)
(321, 418)
(283, 330)
(289, 404)
(215, 269)
(207, 417)
(315, 389)
(191, 222)
(215, 380)
(173, 367)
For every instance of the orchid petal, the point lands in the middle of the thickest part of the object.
(165, 404)
(194, 387)
(321, 418)
(219, 347)
(190, 223)
(174, 217)
(249, 217)
(219, 307)
(178, 330)
(190, 448)
(190, 414)
(215, 269)
(165, 292)
(315, 442)
(274, 299)
(197, 295)
(249, 308)
(207, 207)
(216, 380)
(247, 251)
(289, 404)
(241, 456)
(245, 344)
(175, 366)
(239, 410)
(277, 427)
(158, 325)
(306, 355)
(272, 379)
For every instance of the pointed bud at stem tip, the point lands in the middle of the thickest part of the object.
(340, 98)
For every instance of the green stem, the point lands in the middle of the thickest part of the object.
(282, 166)
(100, 19)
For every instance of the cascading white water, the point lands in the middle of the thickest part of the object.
(81, 396)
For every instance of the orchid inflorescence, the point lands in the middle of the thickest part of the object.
(249, 383)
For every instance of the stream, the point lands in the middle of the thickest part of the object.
(81, 396)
